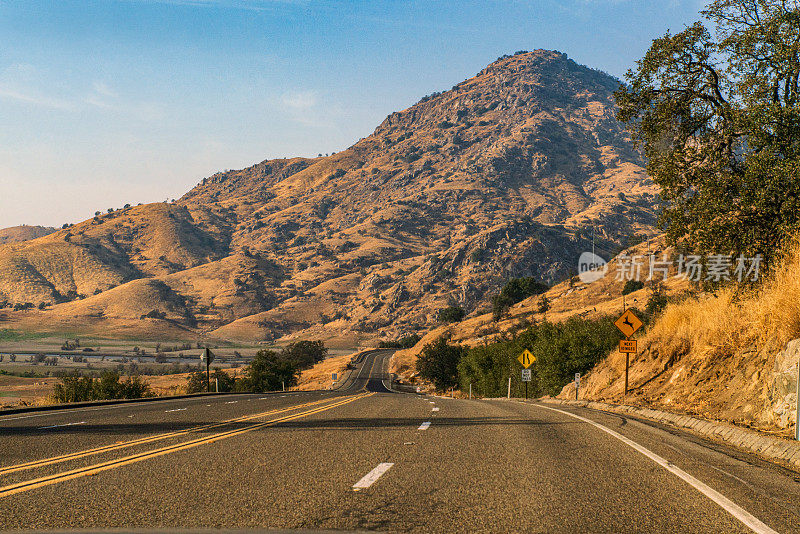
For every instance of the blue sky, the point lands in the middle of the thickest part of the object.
(109, 102)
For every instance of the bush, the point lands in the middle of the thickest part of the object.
(405, 342)
(544, 304)
(657, 301)
(631, 286)
(305, 354)
(438, 363)
(197, 381)
(515, 290)
(451, 314)
(561, 350)
(268, 372)
(76, 388)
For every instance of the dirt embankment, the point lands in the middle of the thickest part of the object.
(727, 355)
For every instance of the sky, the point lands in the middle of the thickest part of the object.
(109, 102)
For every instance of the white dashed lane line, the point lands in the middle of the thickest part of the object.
(424, 426)
(370, 478)
(175, 410)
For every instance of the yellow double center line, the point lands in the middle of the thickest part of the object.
(126, 460)
(158, 437)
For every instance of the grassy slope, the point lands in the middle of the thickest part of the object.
(713, 354)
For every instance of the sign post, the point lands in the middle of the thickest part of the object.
(526, 377)
(526, 359)
(628, 324)
(208, 357)
(577, 384)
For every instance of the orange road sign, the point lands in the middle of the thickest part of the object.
(526, 358)
(627, 345)
(628, 323)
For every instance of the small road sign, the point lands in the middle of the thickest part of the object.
(627, 345)
(206, 356)
(577, 378)
(628, 323)
(526, 358)
(334, 376)
(526, 375)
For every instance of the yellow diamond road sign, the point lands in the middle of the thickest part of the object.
(526, 358)
(628, 323)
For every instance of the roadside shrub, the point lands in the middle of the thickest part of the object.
(76, 388)
(268, 371)
(561, 350)
(438, 363)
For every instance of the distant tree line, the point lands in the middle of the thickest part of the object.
(269, 371)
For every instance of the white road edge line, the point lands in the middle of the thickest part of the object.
(65, 424)
(424, 426)
(728, 505)
(371, 477)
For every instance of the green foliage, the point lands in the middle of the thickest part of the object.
(561, 350)
(631, 286)
(438, 362)
(451, 314)
(304, 354)
(515, 290)
(405, 342)
(718, 116)
(544, 304)
(197, 381)
(268, 372)
(76, 388)
(657, 301)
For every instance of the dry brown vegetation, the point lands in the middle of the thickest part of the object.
(713, 354)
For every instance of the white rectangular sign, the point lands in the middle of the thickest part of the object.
(526, 375)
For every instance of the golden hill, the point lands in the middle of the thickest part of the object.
(18, 234)
(504, 175)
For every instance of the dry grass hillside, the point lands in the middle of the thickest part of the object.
(502, 176)
(18, 234)
(717, 354)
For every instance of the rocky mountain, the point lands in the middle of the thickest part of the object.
(504, 175)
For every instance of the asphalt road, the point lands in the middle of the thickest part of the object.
(365, 458)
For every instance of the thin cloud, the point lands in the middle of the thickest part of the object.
(34, 99)
(300, 100)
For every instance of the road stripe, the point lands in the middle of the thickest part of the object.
(370, 478)
(424, 426)
(176, 410)
(59, 426)
(726, 504)
(147, 439)
(119, 462)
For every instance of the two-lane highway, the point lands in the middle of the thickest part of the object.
(363, 457)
